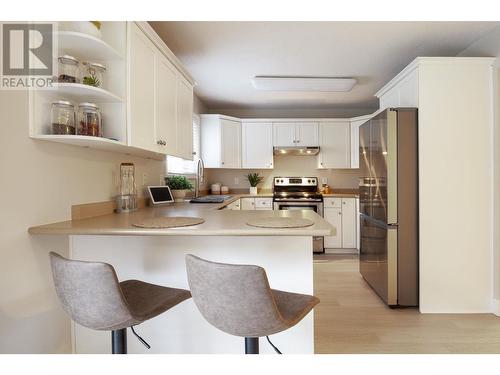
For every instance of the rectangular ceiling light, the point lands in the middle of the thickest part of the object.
(325, 84)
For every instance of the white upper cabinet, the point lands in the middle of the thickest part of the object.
(166, 114)
(257, 145)
(142, 52)
(184, 119)
(160, 98)
(334, 143)
(289, 134)
(307, 134)
(284, 134)
(231, 144)
(220, 141)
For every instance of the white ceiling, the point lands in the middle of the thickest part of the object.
(223, 57)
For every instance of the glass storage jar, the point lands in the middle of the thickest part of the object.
(62, 118)
(92, 74)
(89, 120)
(68, 69)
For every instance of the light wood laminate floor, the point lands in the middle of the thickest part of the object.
(352, 319)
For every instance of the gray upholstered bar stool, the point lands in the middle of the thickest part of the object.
(238, 300)
(93, 297)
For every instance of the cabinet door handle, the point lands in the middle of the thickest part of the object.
(222, 163)
(158, 143)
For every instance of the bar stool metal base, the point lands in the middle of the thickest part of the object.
(119, 341)
(251, 345)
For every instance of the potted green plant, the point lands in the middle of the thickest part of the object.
(179, 185)
(254, 179)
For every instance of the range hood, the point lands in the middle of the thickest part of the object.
(296, 151)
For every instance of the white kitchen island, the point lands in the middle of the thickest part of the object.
(157, 256)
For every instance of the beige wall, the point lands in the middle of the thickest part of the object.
(287, 166)
(40, 182)
(489, 45)
(198, 105)
(456, 187)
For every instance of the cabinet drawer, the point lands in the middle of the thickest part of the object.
(247, 203)
(234, 206)
(333, 202)
(263, 203)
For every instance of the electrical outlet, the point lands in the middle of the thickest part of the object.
(144, 179)
(162, 180)
(236, 180)
(324, 180)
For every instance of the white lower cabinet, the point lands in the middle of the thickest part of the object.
(342, 214)
(349, 226)
(334, 217)
(263, 203)
(234, 206)
(256, 203)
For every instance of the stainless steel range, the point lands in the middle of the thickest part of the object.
(299, 193)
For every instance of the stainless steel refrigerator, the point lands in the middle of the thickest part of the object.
(388, 188)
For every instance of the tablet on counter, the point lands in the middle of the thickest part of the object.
(160, 194)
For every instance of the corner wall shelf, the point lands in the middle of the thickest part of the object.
(99, 143)
(88, 46)
(78, 91)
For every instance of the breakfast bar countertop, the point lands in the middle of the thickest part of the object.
(217, 222)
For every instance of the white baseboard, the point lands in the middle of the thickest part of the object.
(341, 251)
(495, 306)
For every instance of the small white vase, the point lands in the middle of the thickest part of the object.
(179, 195)
(253, 190)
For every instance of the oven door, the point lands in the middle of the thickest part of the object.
(318, 242)
(290, 205)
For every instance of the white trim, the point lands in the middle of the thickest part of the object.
(292, 119)
(432, 60)
(341, 251)
(454, 311)
(493, 121)
(222, 117)
(495, 306)
(158, 42)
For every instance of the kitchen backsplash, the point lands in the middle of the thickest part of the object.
(286, 166)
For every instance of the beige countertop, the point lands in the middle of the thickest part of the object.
(217, 222)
